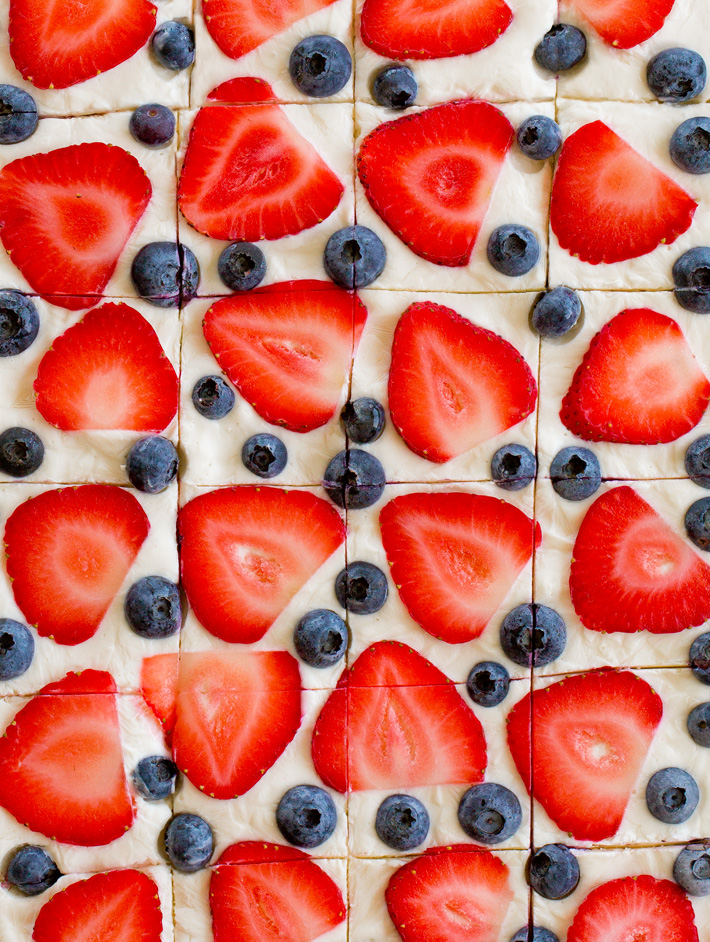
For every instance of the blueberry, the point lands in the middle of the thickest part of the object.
(700, 658)
(174, 45)
(19, 323)
(152, 607)
(241, 266)
(575, 473)
(306, 816)
(321, 638)
(354, 257)
(264, 455)
(698, 723)
(152, 125)
(513, 250)
(691, 869)
(488, 683)
(534, 934)
(213, 397)
(553, 871)
(697, 523)
(361, 588)
(17, 648)
(676, 75)
(690, 145)
(152, 464)
(402, 822)
(513, 467)
(697, 461)
(189, 842)
(533, 634)
(155, 778)
(556, 312)
(320, 66)
(561, 48)
(354, 479)
(31, 870)
(363, 420)
(18, 115)
(395, 87)
(672, 795)
(166, 274)
(539, 137)
(489, 813)
(21, 452)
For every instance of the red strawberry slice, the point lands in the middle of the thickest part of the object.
(68, 552)
(66, 216)
(623, 23)
(635, 908)
(85, 681)
(61, 765)
(432, 29)
(430, 175)
(236, 713)
(397, 736)
(159, 678)
(119, 906)
(638, 383)
(455, 557)
(591, 735)
(109, 371)
(609, 203)
(246, 551)
(238, 26)
(439, 405)
(58, 43)
(269, 893)
(632, 572)
(243, 90)
(450, 894)
(288, 348)
(249, 175)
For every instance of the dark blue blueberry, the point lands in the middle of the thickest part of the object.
(174, 45)
(672, 795)
(490, 813)
(152, 125)
(575, 473)
(698, 724)
(17, 648)
(699, 658)
(697, 523)
(361, 588)
(320, 66)
(691, 869)
(321, 638)
(534, 934)
(488, 683)
(561, 48)
(152, 607)
(553, 871)
(556, 312)
(513, 467)
(166, 274)
(402, 822)
(513, 250)
(697, 461)
(19, 323)
(354, 257)
(395, 87)
(189, 842)
(691, 276)
(155, 778)
(31, 870)
(18, 115)
(539, 137)
(354, 479)
(264, 455)
(363, 420)
(306, 816)
(690, 145)
(21, 452)
(152, 464)
(213, 397)
(676, 75)
(242, 266)
(533, 634)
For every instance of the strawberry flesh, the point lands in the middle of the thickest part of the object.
(243, 90)
(238, 26)
(623, 23)
(158, 685)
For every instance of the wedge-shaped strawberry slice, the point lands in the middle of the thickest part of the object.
(66, 216)
(119, 906)
(246, 551)
(591, 733)
(159, 678)
(68, 552)
(432, 29)
(249, 175)
(450, 894)
(430, 176)
(270, 893)
(236, 711)
(288, 348)
(61, 764)
(440, 405)
(632, 572)
(243, 90)
(238, 26)
(623, 23)
(455, 557)
(609, 203)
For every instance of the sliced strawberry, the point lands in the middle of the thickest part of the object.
(58, 43)
(249, 175)
(288, 348)
(236, 713)
(591, 734)
(609, 203)
(455, 557)
(638, 383)
(86, 681)
(432, 29)
(623, 23)
(159, 678)
(119, 906)
(61, 766)
(632, 572)
(246, 551)
(430, 175)
(243, 90)
(238, 26)
(439, 405)
(397, 736)
(66, 216)
(450, 894)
